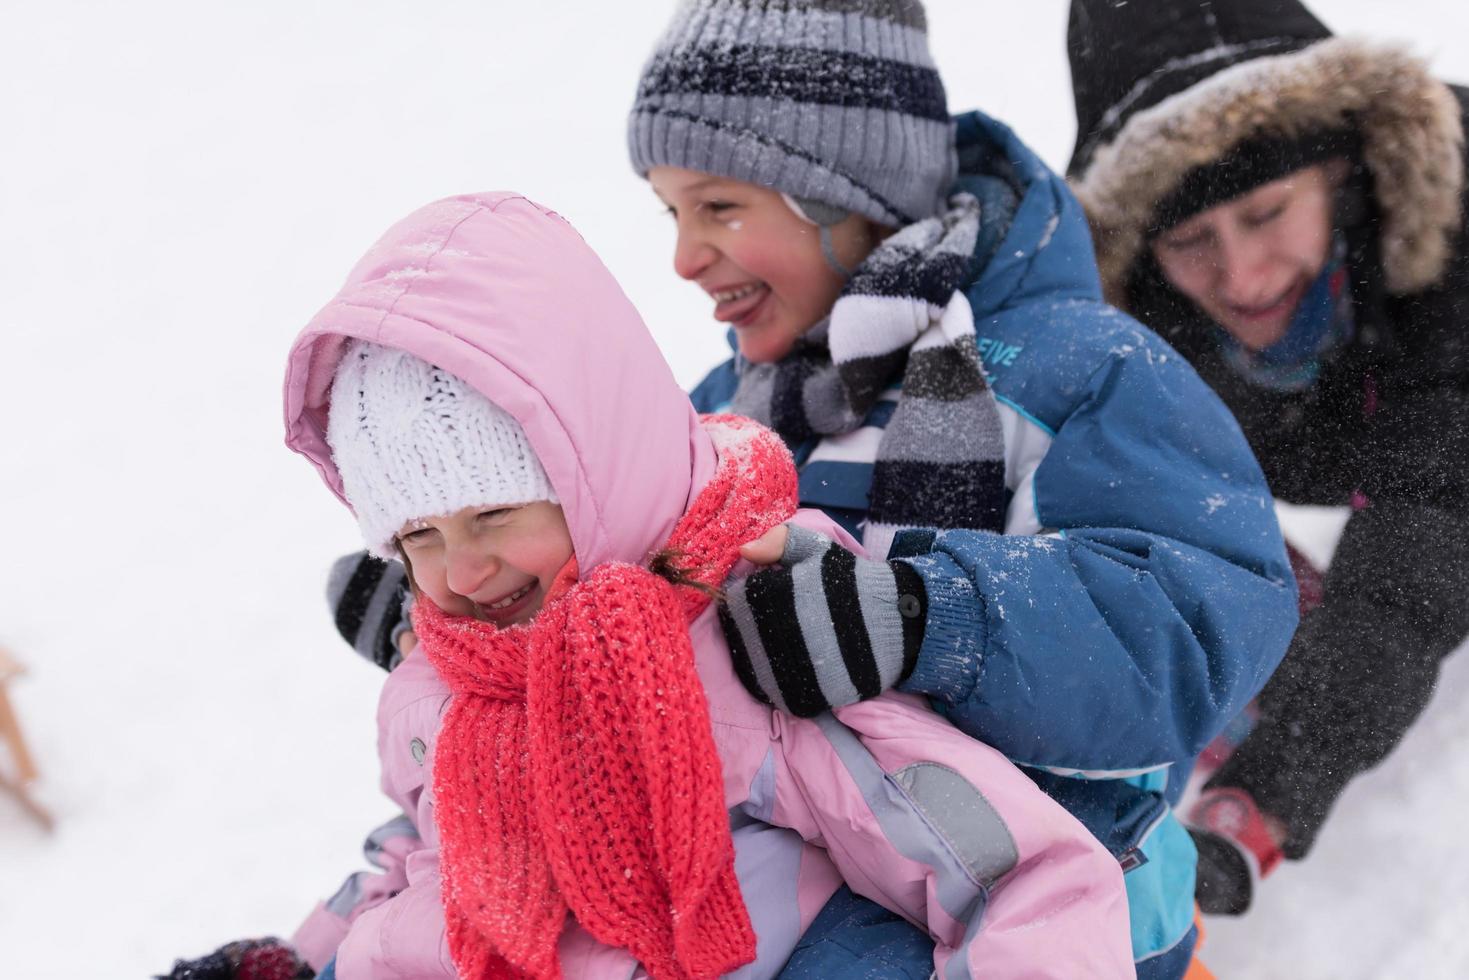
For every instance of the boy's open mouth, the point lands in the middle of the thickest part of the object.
(738, 306)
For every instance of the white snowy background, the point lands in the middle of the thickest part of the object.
(182, 184)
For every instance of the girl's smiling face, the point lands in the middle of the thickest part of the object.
(494, 563)
(759, 262)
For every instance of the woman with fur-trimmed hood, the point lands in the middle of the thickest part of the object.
(1286, 208)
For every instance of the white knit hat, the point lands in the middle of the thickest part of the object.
(411, 440)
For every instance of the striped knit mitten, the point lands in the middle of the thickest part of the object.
(825, 630)
(369, 600)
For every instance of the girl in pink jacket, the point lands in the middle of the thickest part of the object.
(594, 794)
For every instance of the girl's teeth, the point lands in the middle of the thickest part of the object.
(509, 599)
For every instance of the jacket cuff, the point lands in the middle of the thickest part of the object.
(317, 939)
(954, 634)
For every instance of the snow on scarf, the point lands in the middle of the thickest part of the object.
(576, 769)
(941, 460)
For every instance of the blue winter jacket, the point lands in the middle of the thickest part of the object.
(1140, 595)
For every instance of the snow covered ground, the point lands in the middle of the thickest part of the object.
(181, 186)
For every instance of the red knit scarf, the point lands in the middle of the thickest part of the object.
(576, 768)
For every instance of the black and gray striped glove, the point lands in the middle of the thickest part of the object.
(369, 600)
(826, 629)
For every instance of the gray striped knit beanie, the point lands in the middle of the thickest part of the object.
(836, 101)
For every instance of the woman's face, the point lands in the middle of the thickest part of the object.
(494, 563)
(1248, 262)
(759, 262)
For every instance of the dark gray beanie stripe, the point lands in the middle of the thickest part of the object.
(824, 27)
(800, 75)
(837, 102)
(908, 13)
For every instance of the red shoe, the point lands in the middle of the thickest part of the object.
(1236, 849)
(1232, 814)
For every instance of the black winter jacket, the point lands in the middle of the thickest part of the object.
(1167, 131)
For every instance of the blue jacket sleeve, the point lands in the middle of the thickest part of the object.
(1127, 639)
(715, 392)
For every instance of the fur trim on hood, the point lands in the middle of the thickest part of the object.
(1412, 140)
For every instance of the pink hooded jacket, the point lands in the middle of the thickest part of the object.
(885, 795)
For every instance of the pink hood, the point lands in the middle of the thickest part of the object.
(496, 289)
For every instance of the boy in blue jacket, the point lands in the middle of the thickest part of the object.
(1082, 547)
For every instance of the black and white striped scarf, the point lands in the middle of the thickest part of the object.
(941, 460)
